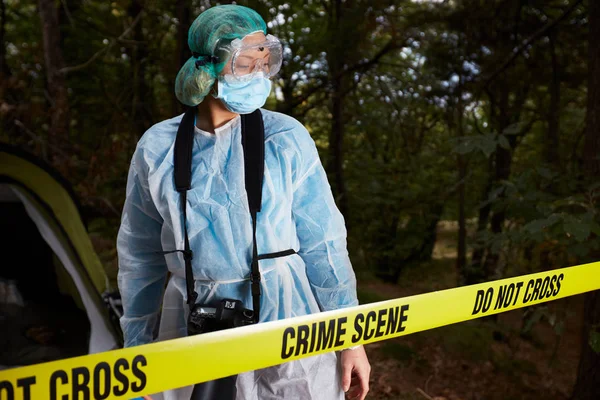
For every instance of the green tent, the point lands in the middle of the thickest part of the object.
(55, 299)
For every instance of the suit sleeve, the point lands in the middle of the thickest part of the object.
(142, 272)
(321, 229)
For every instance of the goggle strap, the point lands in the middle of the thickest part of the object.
(203, 59)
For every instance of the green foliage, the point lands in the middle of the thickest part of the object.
(422, 89)
(486, 144)
(565, 218)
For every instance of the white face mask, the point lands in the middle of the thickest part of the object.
(244, 97)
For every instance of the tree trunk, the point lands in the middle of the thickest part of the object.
(461, 250)
(336, 58)
(336, 145)
(6, 124)
(183, 16)
(503, 161)
(425, 251)
(509, 109)
(141, 114)
(183, 52)
(474, 274)
(387, 267)
(57, 86)
(4, 71)
(587, 386)
(551, 155)
(592, 137)
(503, 164)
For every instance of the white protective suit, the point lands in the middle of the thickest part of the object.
(298, 212)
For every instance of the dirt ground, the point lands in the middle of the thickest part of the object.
(528, 353)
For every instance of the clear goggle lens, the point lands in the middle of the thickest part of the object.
(265, 57)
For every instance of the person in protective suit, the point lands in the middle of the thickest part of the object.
(228, 76)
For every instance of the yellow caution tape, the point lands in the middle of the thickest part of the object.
(176, 363)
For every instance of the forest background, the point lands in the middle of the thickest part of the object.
(460, 138)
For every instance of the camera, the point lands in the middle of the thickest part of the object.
(227, 314)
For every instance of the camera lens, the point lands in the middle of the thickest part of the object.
(248, 313)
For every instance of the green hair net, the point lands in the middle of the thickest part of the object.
(211, 32)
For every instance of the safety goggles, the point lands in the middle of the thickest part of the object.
(249, 59)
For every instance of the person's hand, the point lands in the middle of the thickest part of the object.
(355, 373)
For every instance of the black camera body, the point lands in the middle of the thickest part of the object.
(227, 314)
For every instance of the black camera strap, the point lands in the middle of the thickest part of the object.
(184, 143)
(253, 144)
